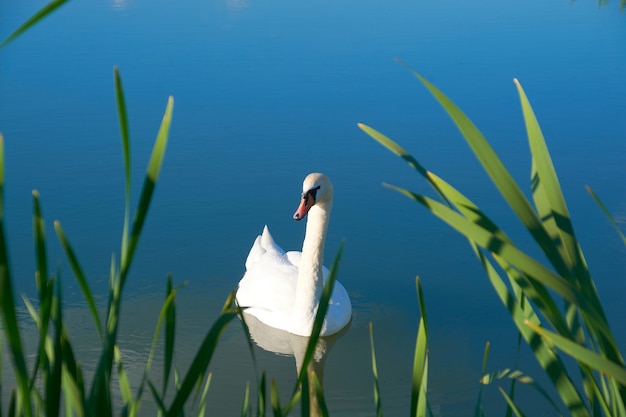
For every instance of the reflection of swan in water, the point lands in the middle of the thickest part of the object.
(289, 344)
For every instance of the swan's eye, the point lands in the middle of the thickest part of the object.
(311, 193)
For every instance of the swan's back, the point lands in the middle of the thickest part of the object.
(268, 288)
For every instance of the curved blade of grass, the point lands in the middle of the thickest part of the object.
(319, 394)
(55, 376)
(80, 277)
(607, 213)
(7, 307)
(152, 175)
(99, 400)
(554, 213)
(519, 310)
(548, 359)
(170, 331)
(44, 287)
(157, 399)
(203, 396)
(478, 408)
(377, 399)
(305, 397)
(292, 403)
(322, 309)
(261, 396)
(163, 317)
(393, 147)
(511, 254)
(201, 361)
(498, 173)
(245, 404)
(534, 290)
(420, 361)
(275, 399)
(43, 12)
(547, 183)
(401, 152)
(72, 394)
(40, 247)
(511, 404)
(561, 226)
(125, 138)
(582, 354)
(127, 395)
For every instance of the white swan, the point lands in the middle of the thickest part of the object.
(283, 289)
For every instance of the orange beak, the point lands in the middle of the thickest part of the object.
(305, 205)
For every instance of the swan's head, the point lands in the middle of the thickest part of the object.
(316, 189)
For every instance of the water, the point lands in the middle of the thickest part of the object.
(266, 92)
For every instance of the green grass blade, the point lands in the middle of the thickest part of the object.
(553, 366)
(377, 398)
(546, 180)
(319, 395)
(152, 174)
(200, 362)
(125, 138)
(125, 391)
(157, 399)
(80, 277)
(245, 404)
(511, 404)
(169, 301)
(322, 309)
(478, 408)
(532, 268)
(420, 361)
(170, 332)
(203, 396)
(582, 354)
(44, 287)
(393, 147)
(305, 397)
(40, 247)
(401, 152)
(43, 12)
(607, 213)
(534, 290)
(275, 399)
(55, 376)
(7, 308)
(261, 396)
(73, 395)
(498, 173)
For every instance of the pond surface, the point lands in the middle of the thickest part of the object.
(268, 91)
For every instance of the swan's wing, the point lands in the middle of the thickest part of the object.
(269, 284)
(339, 310)
(264, 246)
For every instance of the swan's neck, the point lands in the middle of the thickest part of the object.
(310, 273)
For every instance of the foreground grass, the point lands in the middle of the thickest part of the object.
(556, 308)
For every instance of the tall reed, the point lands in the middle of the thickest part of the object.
(556, 307)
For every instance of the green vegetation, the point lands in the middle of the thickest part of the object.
(555, 309)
